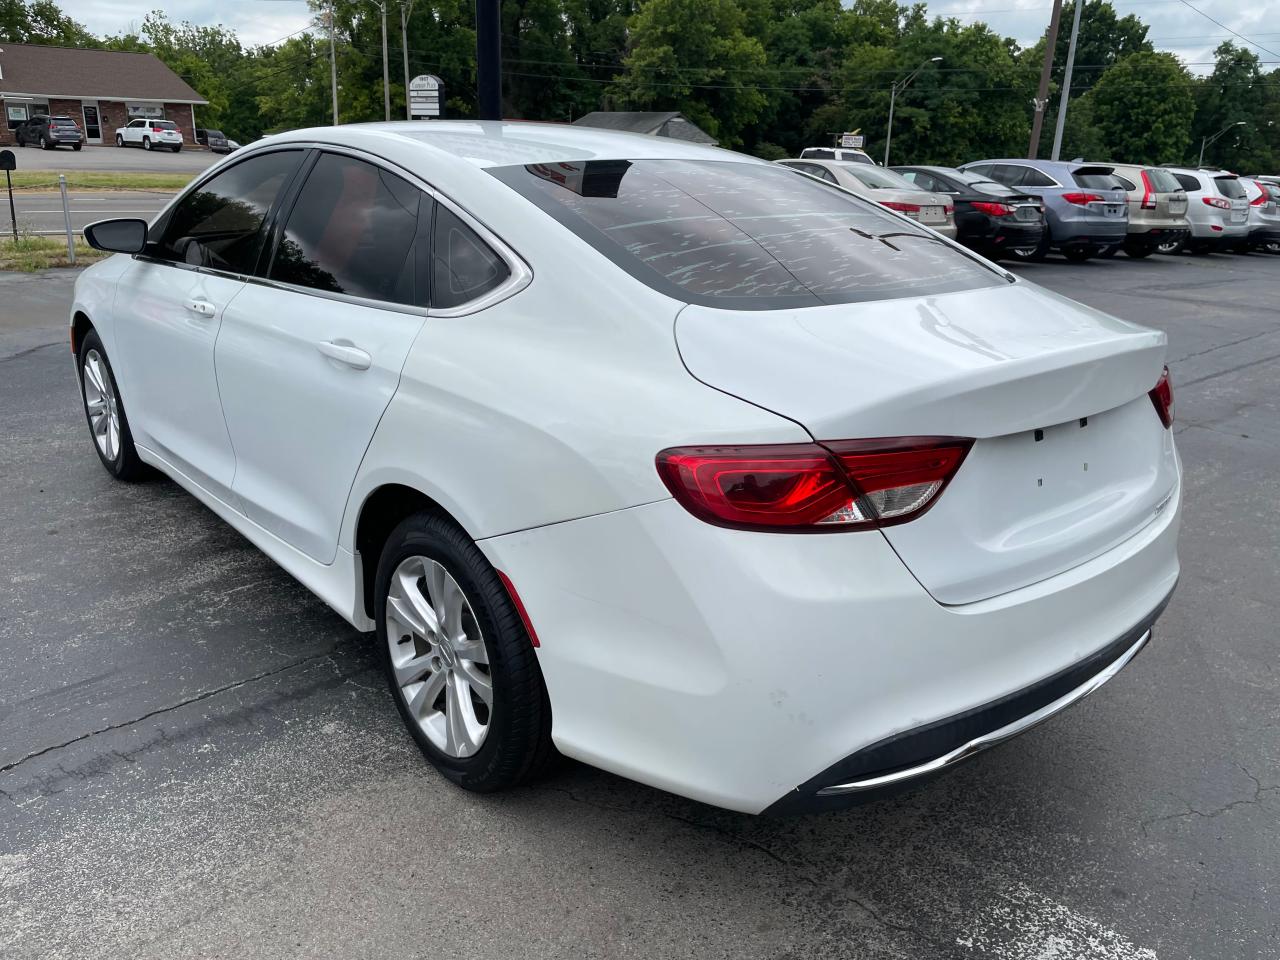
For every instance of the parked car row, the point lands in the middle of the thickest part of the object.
(1020, 208)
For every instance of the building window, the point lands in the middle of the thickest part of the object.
(16, 114)
(149, 111)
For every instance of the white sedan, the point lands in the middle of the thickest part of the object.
(150, 135)
(708, 474)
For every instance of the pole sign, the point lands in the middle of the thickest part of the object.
(426, 97)
(853, 141)
(9, 162)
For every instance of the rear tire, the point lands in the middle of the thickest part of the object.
(146, 143)
(105, 414)
(177, 149)
(76, 147)
(1108, 253)
(437, 675)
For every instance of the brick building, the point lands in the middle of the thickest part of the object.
(100, 89)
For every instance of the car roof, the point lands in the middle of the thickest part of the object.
(945, 171)
(493, 143)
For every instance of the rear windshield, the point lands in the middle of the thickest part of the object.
(744, 236)
(217, 134)
(1230, 187)
(1162, 181)
(878, 179)
(62, 122)
(814, 154)
(1096, 179)
(164, 124)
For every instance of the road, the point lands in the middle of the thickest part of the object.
(199, 759)
(42, 212)
(112, 158)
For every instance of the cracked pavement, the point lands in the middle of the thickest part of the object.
(199, 759)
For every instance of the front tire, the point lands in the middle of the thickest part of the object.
(119, 140)
(1172, 247)
(104, 411)
(459, 662)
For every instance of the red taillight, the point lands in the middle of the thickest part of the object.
(992, 209)
(1162, 396)
(1148, 193)
(949, 209)
(901, 207)
(1082, 198)
(1217, 202)
(809, 487)
(1261, 198)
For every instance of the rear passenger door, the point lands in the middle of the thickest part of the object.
(310, 353)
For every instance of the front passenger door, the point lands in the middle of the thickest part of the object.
(170, 309)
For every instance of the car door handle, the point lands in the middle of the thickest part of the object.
(201, 307)
(346, 353)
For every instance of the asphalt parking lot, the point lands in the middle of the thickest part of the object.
(199, 759)
(42, 212)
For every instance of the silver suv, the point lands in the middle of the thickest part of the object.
(1085, 206)
(1157, 209)
(1264, 214)
(1216, 207)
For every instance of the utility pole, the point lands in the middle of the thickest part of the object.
(1066, 80)
(386, 70)
(489, 59)
(405, 10)
(1042, 98)
(333, 65)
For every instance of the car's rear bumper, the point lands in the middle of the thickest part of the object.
(915, 756)
(1002, 233)
(736, 667)
(1154, 236)
(1095, 237)
(1259, 236)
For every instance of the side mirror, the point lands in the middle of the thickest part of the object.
(117, 236)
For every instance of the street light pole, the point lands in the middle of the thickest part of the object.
(333, 66)
(1066, 82)
(1041, 100)
(1205, 141)
(405, 10)
(894, 89)
(386, 70)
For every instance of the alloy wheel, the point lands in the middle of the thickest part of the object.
(439, 656)
(102, 406)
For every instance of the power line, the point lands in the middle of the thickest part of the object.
(1189, 5)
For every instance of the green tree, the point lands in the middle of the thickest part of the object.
(1237, 90)
(695, 56)
(41, 21)
(1142, 108)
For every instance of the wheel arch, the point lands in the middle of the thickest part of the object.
(80, 327)
(380, 513)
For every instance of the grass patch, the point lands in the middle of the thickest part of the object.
(99, 180)
(31, 253)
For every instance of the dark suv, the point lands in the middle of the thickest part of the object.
(50, 132)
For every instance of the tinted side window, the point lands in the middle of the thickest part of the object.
(1034, 178)
(1188, 182)
(819, 154)
(351, 231)
(1007, 173)
(1230, 187)
(219, 224)
(1126, 183)
(981, 169)
(463, 266)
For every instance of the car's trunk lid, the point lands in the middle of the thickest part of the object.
(1069, 459)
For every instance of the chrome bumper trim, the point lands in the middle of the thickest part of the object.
(1007, 732)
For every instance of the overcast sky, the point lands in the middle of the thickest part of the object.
(1174, 25)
